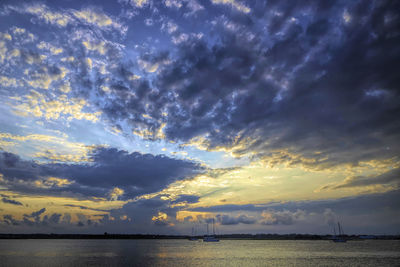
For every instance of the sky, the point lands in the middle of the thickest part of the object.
(145, 116)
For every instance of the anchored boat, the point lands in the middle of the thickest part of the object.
(338, 238)
(208, 237)
(193, 236)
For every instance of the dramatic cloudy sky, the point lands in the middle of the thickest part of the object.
(145, 116)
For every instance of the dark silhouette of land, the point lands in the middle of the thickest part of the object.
(225, 236)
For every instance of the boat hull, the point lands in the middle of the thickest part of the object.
(210, 239)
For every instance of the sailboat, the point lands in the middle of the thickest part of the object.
(210, 238)
(193, 236)
(338, 238)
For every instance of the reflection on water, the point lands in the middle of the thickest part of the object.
(186, 253)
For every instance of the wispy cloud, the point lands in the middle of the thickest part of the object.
(390, 178)
(233, 3)
(64, 17)
(11, 201)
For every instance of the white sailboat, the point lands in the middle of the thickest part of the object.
(208, 237)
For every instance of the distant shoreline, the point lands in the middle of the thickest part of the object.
(226, 236)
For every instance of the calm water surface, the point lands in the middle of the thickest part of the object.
(193, 253)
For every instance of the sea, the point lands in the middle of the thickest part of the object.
(106, 252)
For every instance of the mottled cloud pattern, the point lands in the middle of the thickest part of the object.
(154, 116)
(311, 92)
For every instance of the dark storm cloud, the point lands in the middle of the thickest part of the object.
(314, 83)
(135, 173)
(146, 172)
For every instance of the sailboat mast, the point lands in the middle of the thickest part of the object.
(207, 229)
(340, 230)
(213, 227)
